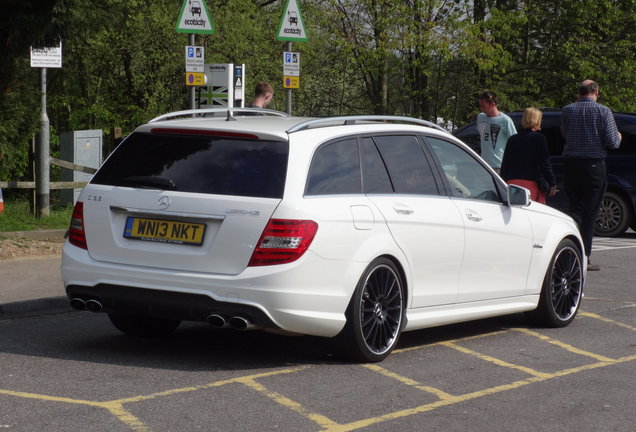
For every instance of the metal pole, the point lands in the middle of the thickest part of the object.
(288, 92)
(193, 89)
(42, 157)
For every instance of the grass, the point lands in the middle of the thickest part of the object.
(17, 216)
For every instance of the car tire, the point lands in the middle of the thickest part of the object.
(562, 289)
(614, 217)
(375, 314)
(143, 326)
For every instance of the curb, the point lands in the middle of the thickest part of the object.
(57, 234)
(29, 308)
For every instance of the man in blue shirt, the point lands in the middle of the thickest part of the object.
(494, 129)
(589, 130)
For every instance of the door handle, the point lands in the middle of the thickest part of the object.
(402, 209)
(473, 216)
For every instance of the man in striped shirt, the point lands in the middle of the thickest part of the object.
(589, 130)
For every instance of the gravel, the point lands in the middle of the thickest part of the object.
(22, 247)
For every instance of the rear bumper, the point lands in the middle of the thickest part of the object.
(180, 306)
(309, 296)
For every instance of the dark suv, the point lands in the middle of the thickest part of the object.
(618, 209)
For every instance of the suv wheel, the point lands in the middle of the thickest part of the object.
(614, 217)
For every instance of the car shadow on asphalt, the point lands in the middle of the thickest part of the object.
(82, 336)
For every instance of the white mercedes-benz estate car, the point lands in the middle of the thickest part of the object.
(358, 228)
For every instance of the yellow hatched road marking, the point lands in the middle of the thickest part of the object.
(607, 320)
(496, 361)
(565, 346)
(479, 336)
(116, 406)
(468, 396)
(239, 380)
(408, 381)
(292, 405)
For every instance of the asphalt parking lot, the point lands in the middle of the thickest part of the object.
(72, 371)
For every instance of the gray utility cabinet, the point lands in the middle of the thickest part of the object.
(81, 148)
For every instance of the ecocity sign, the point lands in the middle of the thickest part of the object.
(194, 18)
(292, 27)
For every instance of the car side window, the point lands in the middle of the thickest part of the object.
(627, 128)
(375, 177)
(470, 136)
(335, 169)
(407, 164)
(467, 177)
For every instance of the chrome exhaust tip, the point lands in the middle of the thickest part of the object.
(94, 305)
(216, 320)
(77, 303)
(241, 323)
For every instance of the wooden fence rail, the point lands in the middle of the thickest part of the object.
(52, 185)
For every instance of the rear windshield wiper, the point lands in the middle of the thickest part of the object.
(150, 182)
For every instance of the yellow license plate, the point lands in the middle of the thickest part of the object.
(164, 231)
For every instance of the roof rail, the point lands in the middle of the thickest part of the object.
(350, 120)
(229, 111)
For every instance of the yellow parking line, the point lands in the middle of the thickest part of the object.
(565, 346)
(496, 361)
(50, 398)
(468, 396)
(115, 408)
(238, 380)
(292, 405)
(607, 320)
(126, 417)
(408, 381)
(479, 336)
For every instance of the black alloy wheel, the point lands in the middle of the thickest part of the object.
(562, 288)
(375, 314)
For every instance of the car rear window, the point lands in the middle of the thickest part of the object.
(198, 164)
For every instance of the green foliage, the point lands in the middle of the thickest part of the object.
(17, 216)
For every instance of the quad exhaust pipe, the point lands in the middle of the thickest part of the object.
(77, 304)
(236, 322)
(90, 305)
(241, 323)
(217, 321)
(94, 305)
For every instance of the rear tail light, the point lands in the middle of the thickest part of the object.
(283, 241)
(76, 235)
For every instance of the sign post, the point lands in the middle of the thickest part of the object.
(291, 28)
(44, 58)
(194, 18)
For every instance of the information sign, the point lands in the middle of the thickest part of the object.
(195, 78)
(47, 57)
(194, 59)
(291, 82)
(291, 63)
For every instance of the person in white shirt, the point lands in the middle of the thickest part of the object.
(494, 129)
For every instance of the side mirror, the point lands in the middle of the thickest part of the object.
(518, 196)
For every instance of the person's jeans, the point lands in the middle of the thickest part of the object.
(585, 184)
